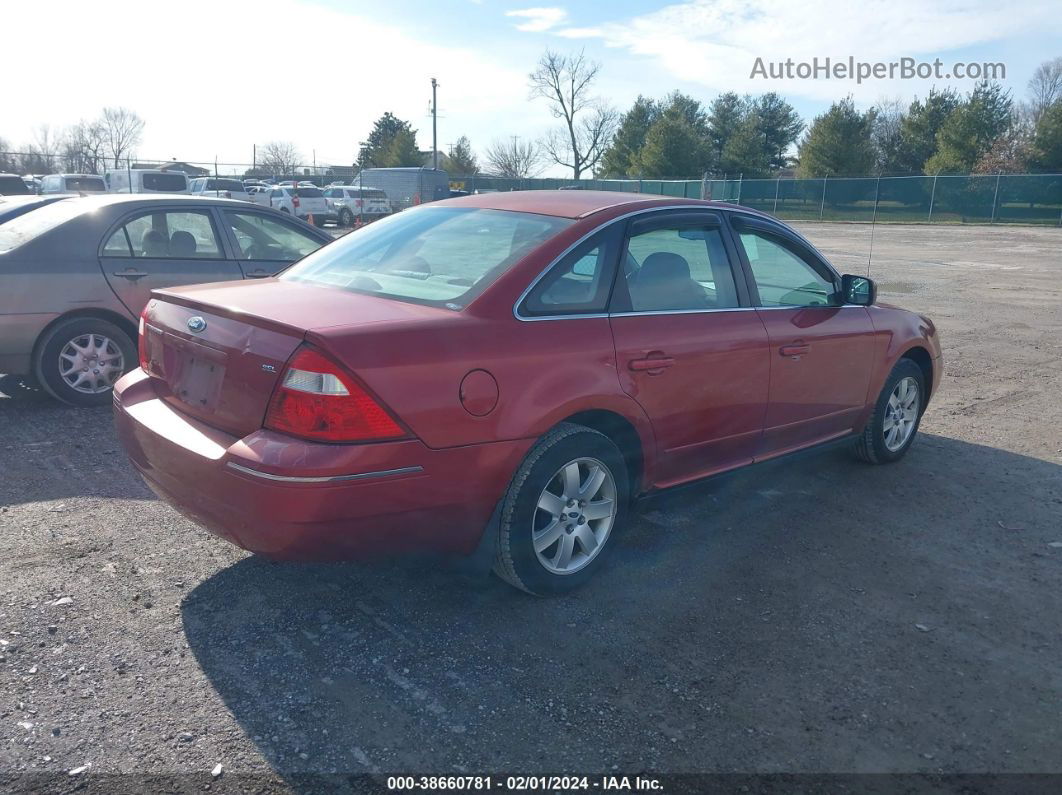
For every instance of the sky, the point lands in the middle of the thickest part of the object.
(212, 78)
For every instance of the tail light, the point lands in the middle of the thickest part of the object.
(358, 203)
(295, 202)
(318, 399)
(141, 341)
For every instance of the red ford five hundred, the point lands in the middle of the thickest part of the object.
(501, 376)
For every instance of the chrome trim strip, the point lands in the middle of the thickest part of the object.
(325, 478)
(657, 209)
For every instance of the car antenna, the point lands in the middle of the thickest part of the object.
(873, 222)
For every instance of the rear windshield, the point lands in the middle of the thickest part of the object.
(431, 255)
(85, 183)
(309, 193)
(165, 182)
(26, 227)
(224, 184)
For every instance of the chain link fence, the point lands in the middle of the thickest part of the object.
(974, 198)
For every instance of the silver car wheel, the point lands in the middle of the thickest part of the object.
(91, 363)
(901, 414)
(574, 516)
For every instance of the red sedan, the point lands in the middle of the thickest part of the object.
(501, 375)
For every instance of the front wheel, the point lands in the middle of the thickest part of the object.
(79, 360)
(892, 427)
(562, 511)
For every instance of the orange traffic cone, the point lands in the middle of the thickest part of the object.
(309, 219)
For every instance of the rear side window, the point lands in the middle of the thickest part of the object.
(580, 283)
(680, 267)
(165, 235)
(165, 182)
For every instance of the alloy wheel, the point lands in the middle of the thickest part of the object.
(574, 516)
(901, 414)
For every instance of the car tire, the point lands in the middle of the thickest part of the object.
(892, 427)
(85, 337)
(548, 541)
(346, 218)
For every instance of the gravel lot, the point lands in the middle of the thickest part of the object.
(823, 616)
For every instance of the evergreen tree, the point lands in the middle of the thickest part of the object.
(971, 129)
(780, 125)
(461, 160)
(1047, 141)
(620, 159)
(376, 150)
(725, 114)
(919, 128)
(838, 143)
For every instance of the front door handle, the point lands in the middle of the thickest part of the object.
(794, 351)
(131, 274)
(651, 364)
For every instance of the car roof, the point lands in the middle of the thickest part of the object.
(109, 199)
(577, 203)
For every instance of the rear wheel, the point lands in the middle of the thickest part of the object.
(562, 511)
(892, 427)
(79, 360)
(346, 217)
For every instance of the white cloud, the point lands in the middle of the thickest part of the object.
(715, 43)
(538, 19)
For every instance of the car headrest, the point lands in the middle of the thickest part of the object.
(153, 244)
(663, 266)
(182, 244)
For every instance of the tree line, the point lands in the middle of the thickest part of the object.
(88, 147)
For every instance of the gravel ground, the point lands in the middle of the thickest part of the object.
(824, 616)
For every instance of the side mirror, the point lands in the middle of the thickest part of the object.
(858, 290)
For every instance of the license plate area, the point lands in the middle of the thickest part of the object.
(194, 373)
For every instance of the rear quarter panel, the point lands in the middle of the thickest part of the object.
(545, 372)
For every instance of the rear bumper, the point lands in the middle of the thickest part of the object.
(328, 215)
(290, 499)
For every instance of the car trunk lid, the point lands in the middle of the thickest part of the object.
(216, 352)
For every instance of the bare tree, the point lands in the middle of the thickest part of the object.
(84, 148)
(280, 158)
(122, 129)
(514, 159)
(566, 83)
(1045, 87)
(46, 147)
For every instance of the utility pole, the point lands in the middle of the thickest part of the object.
(434, 126)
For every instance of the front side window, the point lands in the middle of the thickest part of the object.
(169, 235)
(433, 255)
(680, 267)
(782, 277)
(262, 238)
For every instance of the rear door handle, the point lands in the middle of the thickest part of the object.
(650, 364)
(795, 351)
(130, 274)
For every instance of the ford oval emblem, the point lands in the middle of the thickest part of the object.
(196, 324)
